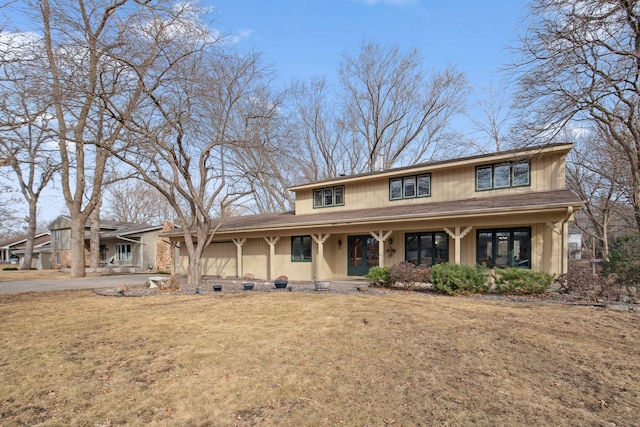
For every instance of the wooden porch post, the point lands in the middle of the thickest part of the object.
(271, 241)
(319, 261)
(239, 243)
(457, 237)
(381, 237)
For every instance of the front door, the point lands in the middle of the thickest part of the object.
(363, 254)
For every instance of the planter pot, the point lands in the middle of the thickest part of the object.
(322, 285)
(217, 288)
(248, 286)
(281, 284)
(363, 288)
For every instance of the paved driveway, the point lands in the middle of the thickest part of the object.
(68, 284)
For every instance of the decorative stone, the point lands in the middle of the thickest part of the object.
(248, 276)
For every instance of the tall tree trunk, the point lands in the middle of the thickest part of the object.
(77, 245)
(94, 260)
(31, 235)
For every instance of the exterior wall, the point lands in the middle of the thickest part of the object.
(219, 259)
(454, 183)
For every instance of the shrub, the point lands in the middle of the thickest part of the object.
(580, 280)
(624, 260)
(378, 276)
(10, 269)
(452, 279)
(521, 282)
(409, 274)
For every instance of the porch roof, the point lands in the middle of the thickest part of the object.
(477, 207)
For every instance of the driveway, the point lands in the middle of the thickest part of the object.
(70, 284)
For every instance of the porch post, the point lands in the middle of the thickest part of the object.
(271, 241)
(239, 243)
(457, 237)
(319, 261)
(381, 237)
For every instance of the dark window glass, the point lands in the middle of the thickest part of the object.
(328, 196)
(318, 198)
(520, 174)
(339, 195)
(301, 248)
(483, 178)
(395, 189)
(484, 254)
(502, 176)
(504, 248)
(424, 185)
(412, 247)
(426, 248)
(409, 184)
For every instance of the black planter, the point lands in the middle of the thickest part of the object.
(217, 288)
(248, 286)
(280, 284)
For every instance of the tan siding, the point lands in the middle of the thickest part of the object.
(255, 258)
(219, 259)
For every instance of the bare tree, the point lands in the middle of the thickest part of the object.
(133, 200)
(190, 122)
(395, 111)
(493, 120)
(580, 62)
(26, 142)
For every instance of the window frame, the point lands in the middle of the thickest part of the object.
(512, 262)
(302, 258)
(512, 181)
(434, 248)
(328, 190)
(402, 181)
(119, 252)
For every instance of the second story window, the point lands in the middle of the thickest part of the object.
(502, 175)
(330, 196)
(409, 187)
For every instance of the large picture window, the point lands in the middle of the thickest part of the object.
(409, 187)
(502, 175)
(123, 252)
(301, 248)
(326, 197)
(426, 248)
(509, 247)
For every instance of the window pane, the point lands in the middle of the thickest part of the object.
(395, 189)
(410, 186)
(411, 250)
(372, 252)
(522, 249)
(502, 249)
(484, 252)
(317, 198)
(521, 174)
(483, 178)
(442, 247)
(301, 248)
(426, 249)
(339, 195)
(424, 185)
(328, 196)
(502, 175)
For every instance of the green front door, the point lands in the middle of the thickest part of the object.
(363, 254)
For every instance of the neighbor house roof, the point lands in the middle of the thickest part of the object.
(19, 240)
(481, 206)
(42, 243)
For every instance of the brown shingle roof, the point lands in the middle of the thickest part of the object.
(471, 207)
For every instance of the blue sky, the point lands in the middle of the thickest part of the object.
(303, 38)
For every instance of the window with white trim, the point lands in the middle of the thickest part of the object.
(123, 252)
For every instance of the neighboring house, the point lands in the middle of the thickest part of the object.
(502, 209)
(574, 242)
(41, 259)
(122, 244)
(8, 247)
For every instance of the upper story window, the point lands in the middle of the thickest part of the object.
(56, 235)
(503, 175)
(409, 187)
(330, 196)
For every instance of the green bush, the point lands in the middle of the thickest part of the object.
(521, 282)
(624, 260)
(378, 276)
(452, 279)
(10, 269)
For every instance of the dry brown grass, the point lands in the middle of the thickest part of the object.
(20, 275)
(291, 359)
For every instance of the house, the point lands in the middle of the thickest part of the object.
(41, 255)
(10, 245)
(509, 208)
(122, 244)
